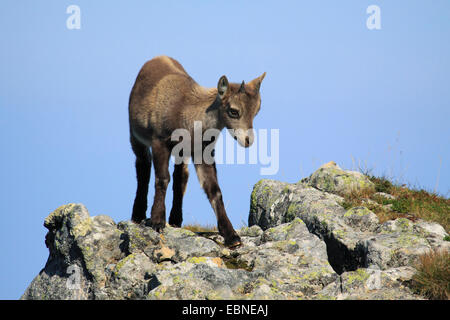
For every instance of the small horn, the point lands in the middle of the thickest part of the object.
(242, 87)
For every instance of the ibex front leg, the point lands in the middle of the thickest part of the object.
(207, 176)
(161, 155)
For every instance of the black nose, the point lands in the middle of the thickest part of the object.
(247, 141)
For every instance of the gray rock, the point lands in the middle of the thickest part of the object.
(331, 178)
(300, 244)
(130, 261)
(373, 284)
(354, 238)
(385, 195)
(321, 212)
(362, 219)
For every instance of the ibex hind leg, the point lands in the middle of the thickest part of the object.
(143, 168)
(180, 178)
(161, 155)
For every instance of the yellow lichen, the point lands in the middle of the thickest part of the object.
(122, 262)
(82, 228)
(197, 260)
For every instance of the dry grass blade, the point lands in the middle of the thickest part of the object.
(200, 228)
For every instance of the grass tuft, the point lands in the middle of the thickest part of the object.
(200, 228)
(432, 279)
(382, 184)
(409, 203)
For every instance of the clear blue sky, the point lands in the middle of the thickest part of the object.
(336, 90)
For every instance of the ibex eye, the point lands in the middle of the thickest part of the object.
(233, 113)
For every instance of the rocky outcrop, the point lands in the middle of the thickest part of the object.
(360, 249)
(331, 178)
(94, 258)
(300, 244)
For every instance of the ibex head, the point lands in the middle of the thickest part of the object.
(240, 104)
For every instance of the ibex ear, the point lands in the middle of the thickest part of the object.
(256, 83)
(222, 87)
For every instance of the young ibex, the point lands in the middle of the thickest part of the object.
(165, 98)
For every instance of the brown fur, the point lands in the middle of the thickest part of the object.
(165, 98)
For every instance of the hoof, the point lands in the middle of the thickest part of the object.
(175, 224)
(233, 242)
(157, 226)
(137, 220)
(175, 219)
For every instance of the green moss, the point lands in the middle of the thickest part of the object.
(339, 233)
(195, 293)
(283, 229)
(408, 240)
(274, 289)
(271, 230)
(358, 211)
(326, 183)
(190, 233)
(316, 274)
(87, 253)
(235, 263)
(267, 190)
(285, 190)
(284, 245)
(404, 224)
(253, 197)
(348, 181)
(82, 228)
(137, 235)
(57, 215)
(291, 212)
(359, 275)
(137, 240)
(293, 223)
(259, 183)
(253, 204)
(158, 292)
(122, 262)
